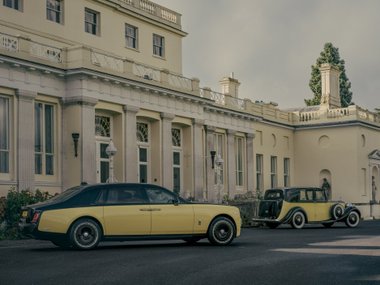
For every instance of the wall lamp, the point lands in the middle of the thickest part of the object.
(75, 139)
(213, 153)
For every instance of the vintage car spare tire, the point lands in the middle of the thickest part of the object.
(337, 211)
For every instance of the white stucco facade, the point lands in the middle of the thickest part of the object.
(112, 70)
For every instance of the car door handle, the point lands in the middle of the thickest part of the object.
(145, 210)
(155, 209)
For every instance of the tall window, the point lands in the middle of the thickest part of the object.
(259, 172)
(91, 22)
(239, 154)
(273, 171)
(142, 133)
(14, 4)
(286, 172)
(131, 36)
(103, 129)
(54, 10)
(219, 148)
(177, 144)
(4, 135)
(44, 138)
(158, 45)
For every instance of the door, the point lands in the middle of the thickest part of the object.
(169, 217)
(127, 212)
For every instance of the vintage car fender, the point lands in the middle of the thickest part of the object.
(347, 211)
(290, 213)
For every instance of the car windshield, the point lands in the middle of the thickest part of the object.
(66, 194)
(274, 194)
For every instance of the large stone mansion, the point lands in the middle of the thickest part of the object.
(76, 75)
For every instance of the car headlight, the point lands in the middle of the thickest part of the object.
(348, 205)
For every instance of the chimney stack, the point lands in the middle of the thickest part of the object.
(230, 86)
(330, 95)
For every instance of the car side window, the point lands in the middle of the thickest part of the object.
(126, 195)
(87, 197)
(320, 195)
(160, 196)
(294, 195)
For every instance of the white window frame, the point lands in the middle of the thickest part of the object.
(219, 147)
(14, 4)
(41, 135)
(178, 149)
(131, 41)
(5, 119)
(239, 161)
(144, 145)
(259, 172)
(286, 172)
(102, 140)
(53, 10)
(158, 46)
(95, 23)
(273, 171)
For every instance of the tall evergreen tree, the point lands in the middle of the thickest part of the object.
(330, 54)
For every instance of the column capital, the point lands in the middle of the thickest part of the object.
(80, 100)
(26, 94)
(198, 122)
(167, 116)
(210, 129)
(250, 136)
(131, 109)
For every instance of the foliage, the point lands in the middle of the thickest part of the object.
(248, 205)
(15, 200)
(330, 54)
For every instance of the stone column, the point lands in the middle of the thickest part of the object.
(210, 194)
(167, 150)
(25, 139)
(130, 139)
(198, 162)
(79, 117)
(230, 166)
(250, 162)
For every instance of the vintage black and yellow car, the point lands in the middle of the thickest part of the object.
(83, 216)
(298, 206)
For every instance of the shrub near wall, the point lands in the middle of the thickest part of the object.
(248, 205)
(10, 208)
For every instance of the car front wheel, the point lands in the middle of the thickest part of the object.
(298, 220)
(352, 219)
(85, 234)
(222, 231)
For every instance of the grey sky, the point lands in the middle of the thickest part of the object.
(271, 44)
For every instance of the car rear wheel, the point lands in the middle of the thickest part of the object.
(222, 231)
(352, 219)
(337, 211)
(298, 220)
(85, 234)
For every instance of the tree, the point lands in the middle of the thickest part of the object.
(330, 54)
